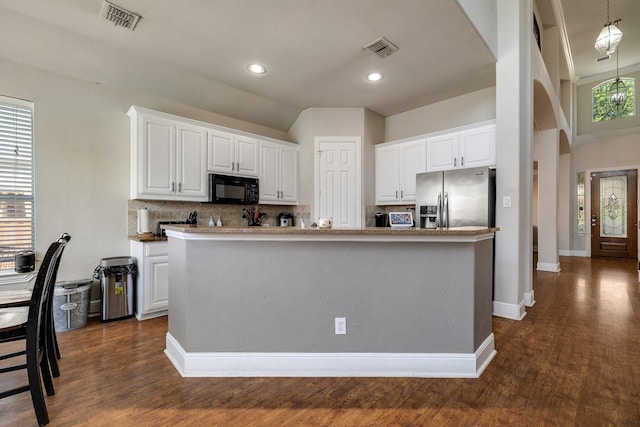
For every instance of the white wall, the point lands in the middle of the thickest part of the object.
(608, 153)
(605, 145)
(462, 110)
(565, 205)
(81, 138)
(374, 125)
(315, 122)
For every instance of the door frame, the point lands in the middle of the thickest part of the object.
(357, 141)
(587, 202)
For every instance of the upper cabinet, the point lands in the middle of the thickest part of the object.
(398, 162)
(168, 159)
(278, 173)
(171, 158)
(472, 147)
(396, 169)
(232, 154)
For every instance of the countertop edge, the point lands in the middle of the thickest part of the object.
(461, 234)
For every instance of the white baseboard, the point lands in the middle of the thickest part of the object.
(509, 311)
(564, 252)
(422, 365)
(579, 253)
(529, 298)
(151, 315)
(547, 266)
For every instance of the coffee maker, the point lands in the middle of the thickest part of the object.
(285, 219)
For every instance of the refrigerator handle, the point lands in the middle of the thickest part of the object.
(439, 211)
(445, 209)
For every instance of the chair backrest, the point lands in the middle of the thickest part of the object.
(52, 274)
(45, 281)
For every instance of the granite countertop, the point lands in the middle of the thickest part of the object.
(152, 239)
(453, 231)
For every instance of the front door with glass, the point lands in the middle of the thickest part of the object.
(614, 223)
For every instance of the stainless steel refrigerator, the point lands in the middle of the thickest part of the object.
(456, 198)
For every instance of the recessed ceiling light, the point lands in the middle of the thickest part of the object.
(257, 69)
(374, 77)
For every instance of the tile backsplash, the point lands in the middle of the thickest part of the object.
(231, 215)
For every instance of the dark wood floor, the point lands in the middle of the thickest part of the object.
(573, 361)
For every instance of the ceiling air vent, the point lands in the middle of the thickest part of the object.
(119, 16)
(381, 47)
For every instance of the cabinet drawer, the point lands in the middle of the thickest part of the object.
(156, 249)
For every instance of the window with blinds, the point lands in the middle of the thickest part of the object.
(16, 180)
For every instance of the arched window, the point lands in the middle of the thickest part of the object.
(601, 106)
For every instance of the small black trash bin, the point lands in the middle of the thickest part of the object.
(117, 284)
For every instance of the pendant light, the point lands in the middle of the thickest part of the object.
(610, 36)
(617, 92)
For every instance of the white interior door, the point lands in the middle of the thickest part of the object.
(338, 182)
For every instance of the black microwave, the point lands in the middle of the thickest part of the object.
(235, 190)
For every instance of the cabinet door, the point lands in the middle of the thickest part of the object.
(442, 152)
(191, 163)
(158, 157)
(288, 175)
(221, 152)
(478, 147)
(157, 295)
(387, 174)
(413, 160)
(269, 172)
(246, 158)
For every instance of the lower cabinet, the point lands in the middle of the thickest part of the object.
(152, 282)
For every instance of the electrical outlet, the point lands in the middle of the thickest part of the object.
(506, 201)
(341, 325)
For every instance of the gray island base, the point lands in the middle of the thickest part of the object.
(263, 301)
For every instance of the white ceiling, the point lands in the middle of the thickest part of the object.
(195, 52)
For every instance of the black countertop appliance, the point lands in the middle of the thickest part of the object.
(285, 219)
(382, 219)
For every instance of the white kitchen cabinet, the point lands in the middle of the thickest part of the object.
(232, 154)
(472, 147)
(168, 158)
(152, 279)
(278, 173)
(478, 146)
(191, 161)
(396, 167)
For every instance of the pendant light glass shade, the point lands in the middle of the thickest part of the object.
(617, 95)
(609, 38)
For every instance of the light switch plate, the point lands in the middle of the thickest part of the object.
(506, 201)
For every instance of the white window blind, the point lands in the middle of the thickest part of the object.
(16, 179)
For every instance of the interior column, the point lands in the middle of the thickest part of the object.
(547, 154)
(514, 117)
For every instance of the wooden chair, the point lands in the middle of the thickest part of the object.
(22, 298)
(29, 324)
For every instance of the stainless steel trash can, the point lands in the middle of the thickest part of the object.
(117, 284)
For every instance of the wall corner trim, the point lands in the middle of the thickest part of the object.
(509, 311)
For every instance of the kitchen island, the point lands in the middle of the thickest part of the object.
(270, 301)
